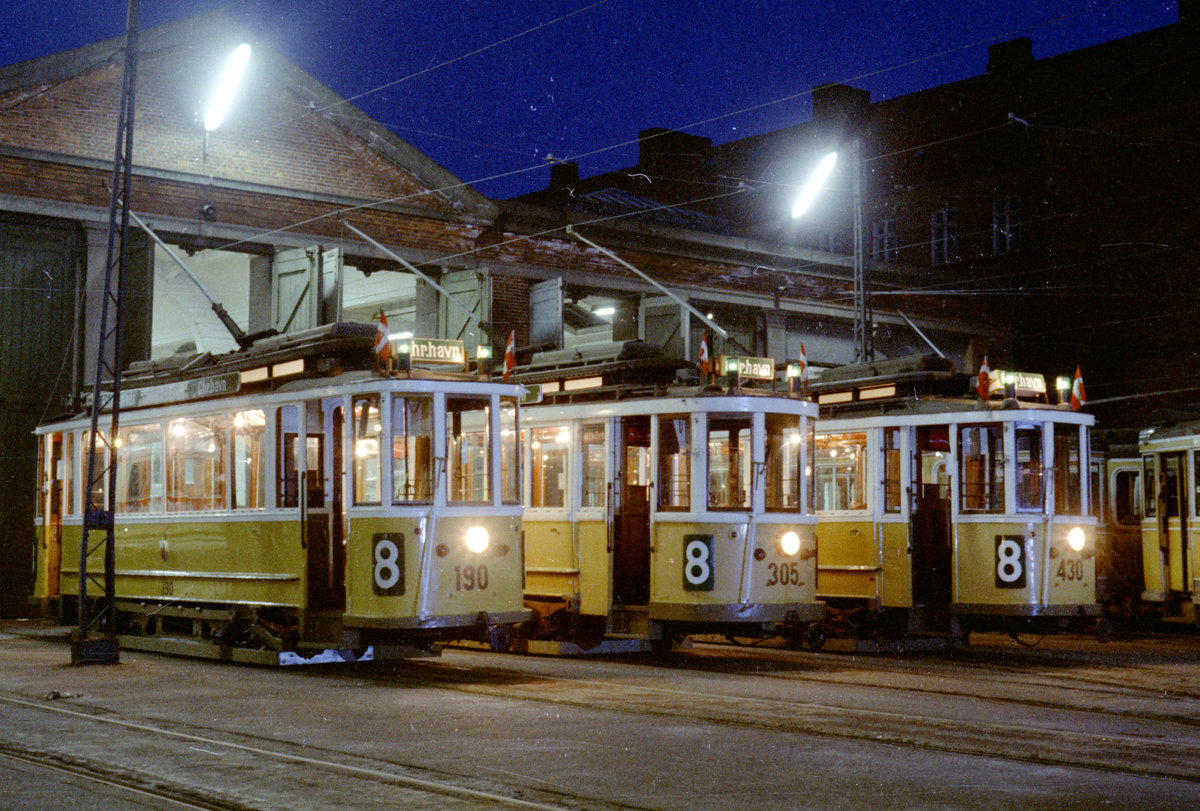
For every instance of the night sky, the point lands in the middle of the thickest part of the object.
(490, 88)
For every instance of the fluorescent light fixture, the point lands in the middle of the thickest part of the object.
(229, 82)
(814, 184)
(604, 311)
(400, 336)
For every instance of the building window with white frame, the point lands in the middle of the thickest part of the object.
(833, 242)
(885, 243)
(1006, 226)
(943, 237)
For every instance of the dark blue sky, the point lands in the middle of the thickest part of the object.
(489, 88)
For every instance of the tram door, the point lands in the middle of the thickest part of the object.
(631, 522)
(324, 524)
(931, 545)
(1172, 519)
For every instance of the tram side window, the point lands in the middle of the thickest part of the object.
(368, 426)
(94, 492)
(785, 462)
(140, 469)
(470, 463)
(729, 450)
(593, 448)
(891, 470)
(412, 449)
(65, 473)
(249, 459)
(1127, 497)
(1149, 477)
(510, 452)
(287, 432)
(674, 463)
(43, 475)
(981, 460)
(1068, 470)
(548, 466)
(196, 463)
(841, 472)
(1028, 468)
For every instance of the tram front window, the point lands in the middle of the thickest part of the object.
(981, 461)
(412, 443)
(785, 459)
(841, 472)
(469, 458)
(548, 466)
(729, 463)
(1068, 486)
(1028, 469)
(368, 427)
(674, 463)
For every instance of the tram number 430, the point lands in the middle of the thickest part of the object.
(1010, 562)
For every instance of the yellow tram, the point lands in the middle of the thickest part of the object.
(655, 508)
(942, 513)
(290, 498)
(1170, 552)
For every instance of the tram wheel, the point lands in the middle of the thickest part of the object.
(500, 638)
(816, 636)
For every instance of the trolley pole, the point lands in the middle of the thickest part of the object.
(95, 639)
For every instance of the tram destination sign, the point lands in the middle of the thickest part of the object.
(749, 368)
(181, 390)
(437, 350)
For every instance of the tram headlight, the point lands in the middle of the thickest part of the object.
(477, 539)
(790, 543)
(1076, 538)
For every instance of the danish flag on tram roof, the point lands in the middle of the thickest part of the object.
(1078, 395)
(803, 367)
(984, 382)
(383, 344)
(510, 355)
(705, 360)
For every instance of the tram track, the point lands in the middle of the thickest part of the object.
(1140, 744)
(179, 751)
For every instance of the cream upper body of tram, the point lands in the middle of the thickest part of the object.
(1170, 456)
(655, 511)
(941, 512)
(292, 497)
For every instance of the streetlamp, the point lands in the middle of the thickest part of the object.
(864, 340)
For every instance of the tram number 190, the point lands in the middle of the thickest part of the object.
(698, 563)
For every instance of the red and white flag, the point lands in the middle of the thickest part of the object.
(803, 367)
(705, 360)
(510, 355)
(1078, 395)
(984, 382)
(383, 344)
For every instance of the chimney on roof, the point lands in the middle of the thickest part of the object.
(1012, 57)
(840, 104)
(563, 175)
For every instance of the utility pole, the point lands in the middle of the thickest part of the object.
(864, 332)
(95, 639)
